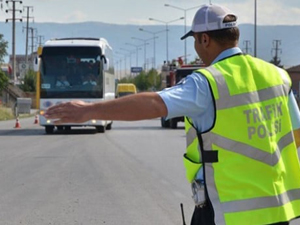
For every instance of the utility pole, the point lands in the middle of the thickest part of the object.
(276, 49)
(14, 10)
(27, 28)
(247, 49)
(40, 38)
(33, 37)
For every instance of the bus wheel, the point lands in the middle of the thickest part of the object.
(49, 129)
(100, 129)
(108, 127)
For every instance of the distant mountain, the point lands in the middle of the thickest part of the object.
(118, 35)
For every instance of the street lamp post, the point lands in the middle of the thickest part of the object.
(167, 31)
(130, 53)
(137, 51)
(153, 33)
(125, 66)
(117, 70)
(184, 10)
(145, 44)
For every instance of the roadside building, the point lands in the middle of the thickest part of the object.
(294, 73)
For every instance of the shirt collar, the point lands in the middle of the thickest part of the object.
(227, 53)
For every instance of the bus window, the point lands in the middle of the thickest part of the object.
(75, 63)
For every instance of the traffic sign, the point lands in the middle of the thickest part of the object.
(23, 66)
(136, 69)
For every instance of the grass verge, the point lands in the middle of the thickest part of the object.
(6, 114)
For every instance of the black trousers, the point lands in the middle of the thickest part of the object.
(205, 216)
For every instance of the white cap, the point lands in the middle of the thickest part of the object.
(210, 17)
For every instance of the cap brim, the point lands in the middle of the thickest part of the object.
(188, 34)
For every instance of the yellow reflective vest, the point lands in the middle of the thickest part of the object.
(249, 156)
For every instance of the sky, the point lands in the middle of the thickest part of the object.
(138, 12)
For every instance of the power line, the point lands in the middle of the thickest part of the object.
(276, 49)
(32, 37)
(247, 49)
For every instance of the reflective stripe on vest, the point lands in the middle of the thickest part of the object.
(258, 168)
(192, 156)
(252, 97)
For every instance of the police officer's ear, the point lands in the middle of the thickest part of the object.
(205, 38)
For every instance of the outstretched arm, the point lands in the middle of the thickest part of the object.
(140, 106)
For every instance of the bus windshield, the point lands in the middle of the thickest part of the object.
(71, 72)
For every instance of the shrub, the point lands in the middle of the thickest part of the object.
(29, 83)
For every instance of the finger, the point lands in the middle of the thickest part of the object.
(55, 107)
(55, 115)
(57, 122)
(63, 120)
(60, 121)
(57, 112)
(52, 114)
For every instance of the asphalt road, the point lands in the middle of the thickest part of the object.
(131, 175)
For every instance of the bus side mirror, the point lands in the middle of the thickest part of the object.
(103, 58)
(36, 64)
(106, 63)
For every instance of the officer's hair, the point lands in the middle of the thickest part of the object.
(224, 36)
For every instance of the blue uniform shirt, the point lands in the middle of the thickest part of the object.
(193, 98)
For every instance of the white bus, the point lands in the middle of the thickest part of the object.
(74, 68)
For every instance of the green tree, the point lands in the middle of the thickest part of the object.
(145, 81)
(3, 48)
(126, 80)
(141, 82)
(3, 52)
(3, 80)
(154, 79)
(29, 83)
(158, 82)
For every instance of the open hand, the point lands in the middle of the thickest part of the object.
(70, 112)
